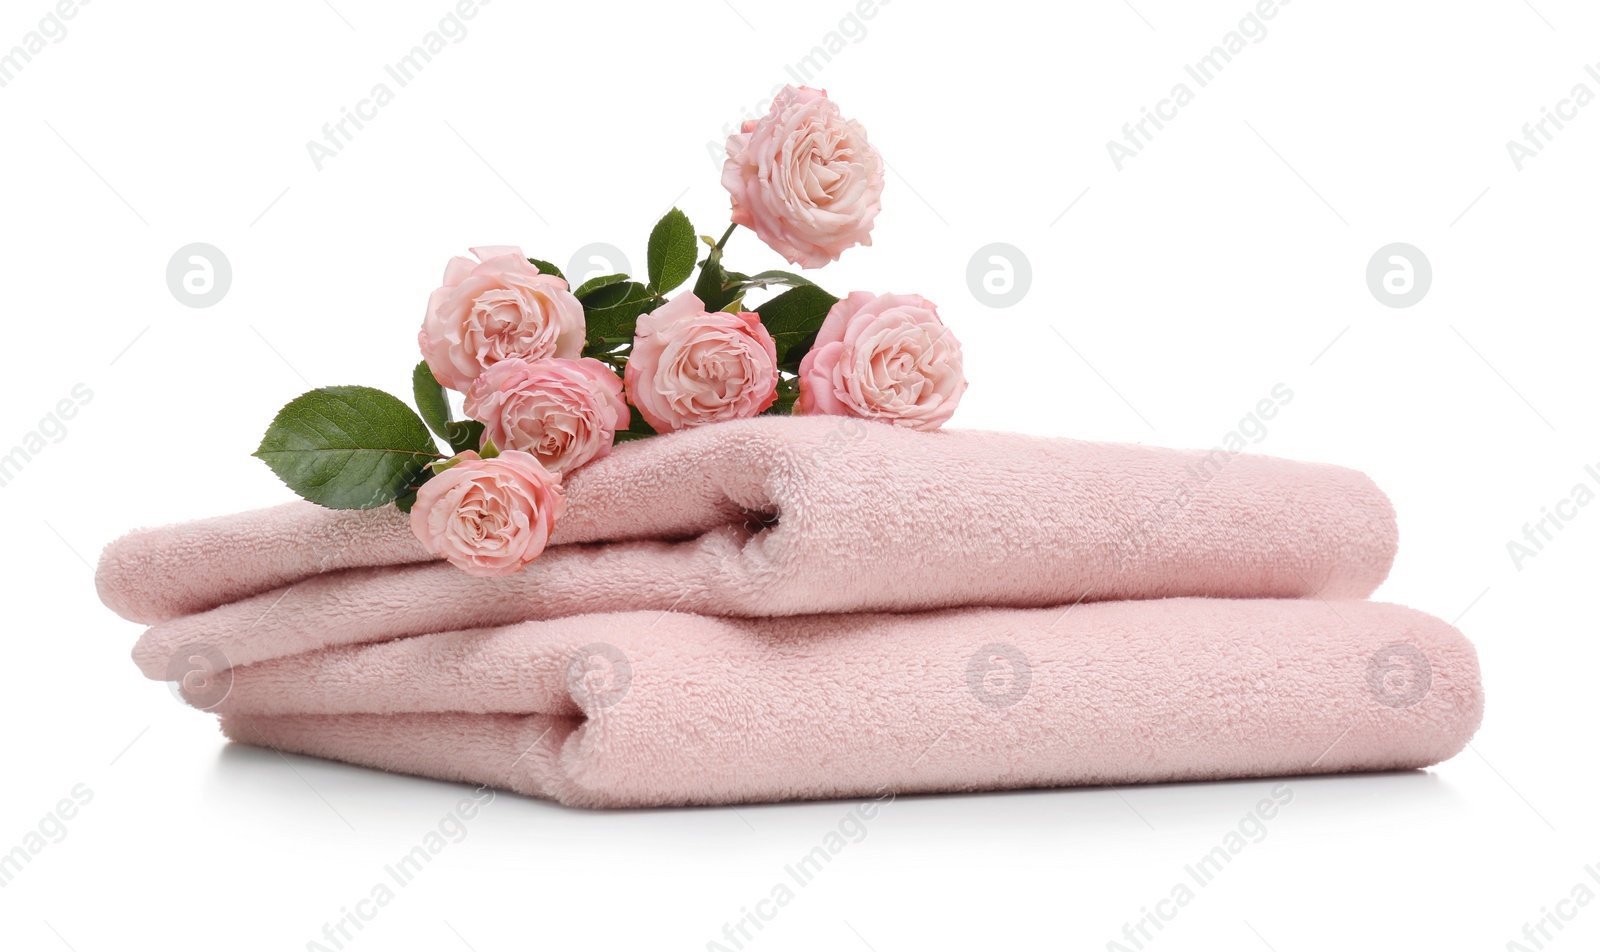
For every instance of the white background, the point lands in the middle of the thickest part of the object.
(1228, 257)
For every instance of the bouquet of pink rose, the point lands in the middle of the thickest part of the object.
(549, 372)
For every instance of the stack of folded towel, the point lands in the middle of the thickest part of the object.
(802, 607)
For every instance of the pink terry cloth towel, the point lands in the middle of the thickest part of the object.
(655, 709)
(788, 515)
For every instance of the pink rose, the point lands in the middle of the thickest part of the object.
(689, 367)
(488, 517)
(564, 412)
(884, 357)
(490, 311)
(804, 178)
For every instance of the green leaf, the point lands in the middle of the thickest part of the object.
(408, 496)
(612, 295)
(767, 279)
(793, 319)
(406, 499)
(671, 252)
(347, 447)
(546, 267)
(796, 352)
(463, 435)
(431, 401)
(711, 287)
(435, 407)
(788, 393)
(611, 312)
(596, 283)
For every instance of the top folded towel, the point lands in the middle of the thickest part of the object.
(826, 514)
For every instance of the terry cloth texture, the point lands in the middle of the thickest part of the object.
(800, 515)
(802, 607)
(652, 709)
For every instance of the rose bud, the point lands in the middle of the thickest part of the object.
(563, 412)
(805, 179)
(495, 309)
(883, 357)
(488, 517)
(690, 367)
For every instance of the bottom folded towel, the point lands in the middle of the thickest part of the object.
(654, 709)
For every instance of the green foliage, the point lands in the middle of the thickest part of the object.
(347, 447)
(793, 319)
(671, 252)
(435, 409)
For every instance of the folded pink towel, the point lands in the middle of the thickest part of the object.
(788, 515)
(656, 708)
